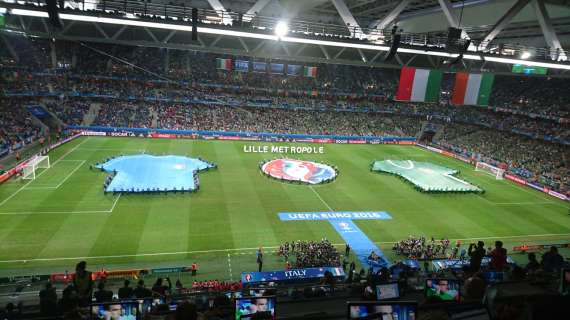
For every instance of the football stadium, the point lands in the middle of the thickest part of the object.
(282, 159)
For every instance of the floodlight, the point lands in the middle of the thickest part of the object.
(281, 29)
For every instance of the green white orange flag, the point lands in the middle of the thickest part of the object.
(224, 64)
(310, 72)
(419, 85)
(472, 88)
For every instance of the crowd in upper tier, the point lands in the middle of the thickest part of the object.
(526, 127)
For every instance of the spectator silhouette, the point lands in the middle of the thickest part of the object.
(103, 295)
(48, 300)
(126, 291)
(476, 253)
(552, 261)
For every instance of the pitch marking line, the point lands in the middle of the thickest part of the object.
(66, 212)
(230, 267)
(253, 250)
(27, 184)
(70, 174)
(322, 200)
(115, 203)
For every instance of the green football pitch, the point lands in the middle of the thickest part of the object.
(63, 216)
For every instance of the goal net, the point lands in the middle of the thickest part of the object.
(492, 170)
(29, 171)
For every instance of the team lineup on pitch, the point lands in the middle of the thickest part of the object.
(63, 214)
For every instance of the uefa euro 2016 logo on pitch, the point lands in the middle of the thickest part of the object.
(299, 171)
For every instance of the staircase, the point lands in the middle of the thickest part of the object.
(154, 116)
(90, 116)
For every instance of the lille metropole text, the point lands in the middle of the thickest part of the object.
(282, 149)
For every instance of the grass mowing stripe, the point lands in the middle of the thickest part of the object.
(237, 207)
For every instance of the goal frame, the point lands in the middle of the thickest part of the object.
(29, 170)
(484, 167)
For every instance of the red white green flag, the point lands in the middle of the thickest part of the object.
(419, 85)
(472, 88)
(310, 72)
(224, 64)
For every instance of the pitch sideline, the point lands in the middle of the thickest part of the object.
(248, 249)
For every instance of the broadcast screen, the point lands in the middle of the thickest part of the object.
(519, 68)
(387, 291)
(493, 277)
(116, 311)
(255, 308)
(383, 310)
(566, 281)
(442, 290)
(242, 65)
(259, 67)
(277, 68)
(294, 70)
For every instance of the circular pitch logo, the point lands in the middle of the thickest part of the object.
(299, 170)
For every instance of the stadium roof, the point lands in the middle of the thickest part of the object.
(329, 31)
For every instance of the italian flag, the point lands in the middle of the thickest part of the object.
(420, 85)
(310, 72)
(472, 88)
(224, 64)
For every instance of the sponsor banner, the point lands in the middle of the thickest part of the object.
(169, 270)
(528, 248)
(118, 274)
(535, 186)
(236, 136)
(93, 133)
(60, 277)
(557, 195)
(447, 154)
(357, 141)
(458, 157)
(295, 275)
(515, 179)
(430, 148)
(163, 135)
(229, 138)
(459, 264)
(339, 215)
(121, 134)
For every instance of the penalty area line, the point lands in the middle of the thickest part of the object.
(253, 250)
(39, 174)
(66, 212)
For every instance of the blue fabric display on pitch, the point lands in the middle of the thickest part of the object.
(141, 173)
(360, 243)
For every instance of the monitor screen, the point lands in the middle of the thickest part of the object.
(387, 291)
(492, 277)
(118, 311)
(255, 308)
(565, 281)
(383, 310)
(442, 290)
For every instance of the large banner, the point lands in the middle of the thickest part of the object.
(241, 136)
(295, 275)
(419, 85)
(472, 88)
